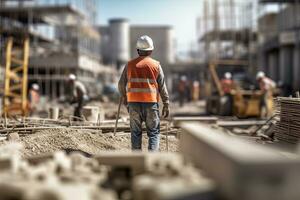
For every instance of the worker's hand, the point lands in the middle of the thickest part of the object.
(165, 111)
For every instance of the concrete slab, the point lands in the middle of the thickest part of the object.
(209, 120)
(241, 170)
(135, 160)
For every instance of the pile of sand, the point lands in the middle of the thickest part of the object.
(90, 142)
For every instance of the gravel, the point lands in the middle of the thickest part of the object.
(89, 142)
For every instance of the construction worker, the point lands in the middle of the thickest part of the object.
(195, 90)
(33, 97)
(79, 96)
(266, 86)
(182, 90)
(227, 85)
(140, 85)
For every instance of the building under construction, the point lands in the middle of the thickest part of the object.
(203, 151)
(62, 41)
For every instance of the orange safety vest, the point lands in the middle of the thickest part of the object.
(142, 74)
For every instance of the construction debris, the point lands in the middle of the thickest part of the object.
(107, 176)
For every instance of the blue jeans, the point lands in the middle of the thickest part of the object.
(148, 113)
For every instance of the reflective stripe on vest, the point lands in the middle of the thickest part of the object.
(142, 73)
(141, 80)
(145, 90)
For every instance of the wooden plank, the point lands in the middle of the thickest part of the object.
(240, 123)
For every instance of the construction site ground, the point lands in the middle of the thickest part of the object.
(93, 141)
(85, 141)
(84, 158)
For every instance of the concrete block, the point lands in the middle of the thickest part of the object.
(147, 187)
(240, 169)
(134, 160)
(93, 114)
(38, 159)
(164, 163)
(13, 136)
(53, 113)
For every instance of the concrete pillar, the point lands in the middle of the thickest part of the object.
(281, 64)
(262, 60)
(47, 82)
(296, 68)
(273, 66)
(286, 69)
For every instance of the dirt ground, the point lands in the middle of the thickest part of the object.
(90, 142)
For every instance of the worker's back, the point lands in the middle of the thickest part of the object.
(142, 73)
(267, 84)
(79, 89)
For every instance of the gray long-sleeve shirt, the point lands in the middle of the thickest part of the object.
(162, 88)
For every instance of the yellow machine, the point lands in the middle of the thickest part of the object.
(15, 86)
(245, 103)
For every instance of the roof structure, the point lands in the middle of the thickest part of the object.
(228, 35)
(39, 14)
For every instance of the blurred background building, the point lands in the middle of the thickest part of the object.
(63, 40)
(66, 37)
(119, 41)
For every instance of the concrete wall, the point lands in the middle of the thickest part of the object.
(163, 41)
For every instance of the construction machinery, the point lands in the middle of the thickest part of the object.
(16, 82)
(245, 98)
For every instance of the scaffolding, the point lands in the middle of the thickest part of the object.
(53, 55)
(15, 83)
(226, 28)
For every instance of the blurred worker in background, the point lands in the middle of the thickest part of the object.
(33, 97)
(195, 90)
(144, 79)
(266, 86)
(182, 90)
(79, 96)
(227, 85)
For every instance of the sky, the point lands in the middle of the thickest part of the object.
(180, 14)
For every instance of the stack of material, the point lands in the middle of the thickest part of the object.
(288, 128)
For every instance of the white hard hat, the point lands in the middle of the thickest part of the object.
(35, 86)
(228, 75)
(72, 77)
(183, 78)
(260, 75)
(145, 43)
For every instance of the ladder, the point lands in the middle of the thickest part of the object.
(15, 82)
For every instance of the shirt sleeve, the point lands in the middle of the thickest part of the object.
(162, 88)
(123, 82)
